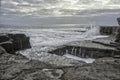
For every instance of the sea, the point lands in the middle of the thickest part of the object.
(43, 38)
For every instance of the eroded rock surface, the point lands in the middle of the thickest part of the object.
(102, 69)
(18, 67)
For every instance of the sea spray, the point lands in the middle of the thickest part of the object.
(44, 39)
(93, 31)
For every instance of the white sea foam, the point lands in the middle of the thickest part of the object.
(44, 39)
(87, 60)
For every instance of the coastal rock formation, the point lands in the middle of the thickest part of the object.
(14, 42)
(18, 67)
(4, 38)
(118, 36)
(105, 30)
(118, 32)
(108, 30)
(118, 19)
(20, 41)
(2, 50)
(101, 69)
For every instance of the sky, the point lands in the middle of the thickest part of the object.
(37, 12)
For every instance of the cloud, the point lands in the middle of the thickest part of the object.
(41, 8)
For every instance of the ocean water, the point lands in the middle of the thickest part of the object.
(44, 39)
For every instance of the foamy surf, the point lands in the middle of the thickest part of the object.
(44, 39)
(87, 60)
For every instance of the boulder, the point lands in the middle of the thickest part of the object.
(118, 36)
(4, 38)
(20, 44)
(118, 19)
(107, 30)
(20, 41)
(14, 42)
(8, 46)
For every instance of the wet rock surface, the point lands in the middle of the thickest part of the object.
(45, 66)
(2, 50)
(18, 67)
(118, 36)
(59, 61)
(117, 40)
(108, 30)
(14, 42)
(102, 69)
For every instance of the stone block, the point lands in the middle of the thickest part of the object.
(3, 38)
(8, 46)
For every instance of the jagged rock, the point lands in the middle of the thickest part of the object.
(118, 19)
(107, 30)
(14, 42)
(2, 50)
(118, 32)
(4, 38)
(18, 67)
(117, 40)
(118, 36)
(20, 41)
(8, 46)
(6, 43)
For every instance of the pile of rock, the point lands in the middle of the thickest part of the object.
(14, 42)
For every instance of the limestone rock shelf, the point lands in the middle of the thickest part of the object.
(86, 49)
(18, 67)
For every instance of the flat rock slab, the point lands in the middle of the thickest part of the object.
(12, 68)
(18, 67)
(101, 69)
(53, 59)
(90, 44)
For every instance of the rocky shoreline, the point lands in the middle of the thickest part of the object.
(52, 67)
(15, 66)
(18, 67)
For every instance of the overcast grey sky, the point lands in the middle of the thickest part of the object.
(36, 12)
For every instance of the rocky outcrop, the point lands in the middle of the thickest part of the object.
(108, 30)
(101, 69)
(20, 41)
(4, 38)
(118, 19)
(14, 42)
(118, 36)
(86, 49)
(2, 50)
(118, 32)
(18, 67)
